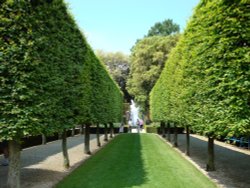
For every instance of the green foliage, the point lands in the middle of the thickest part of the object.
(152, 130)
(220, 47)
(62, 53)
(17, 106)
(209, 83)
(165, 28)
(166, 98)
(147, 61)
(47, 71)
(107, 99)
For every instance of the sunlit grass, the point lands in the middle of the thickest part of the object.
(133, 160)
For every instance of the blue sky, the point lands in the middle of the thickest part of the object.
(115, 25)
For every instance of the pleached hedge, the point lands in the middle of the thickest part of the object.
(207, 74)
(205, 83)
(50, 78)
(166, 98)
(105, 93)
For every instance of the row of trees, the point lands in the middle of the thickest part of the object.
(50, 78)
(205, 83)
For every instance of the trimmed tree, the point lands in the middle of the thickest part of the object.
(210, 82)
(45, 75)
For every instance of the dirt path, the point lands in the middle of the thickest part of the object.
(41, 166)
(232, 163)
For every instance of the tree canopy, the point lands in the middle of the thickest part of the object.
(117, 64)
(205, 82)
(105, 93)
(165, 28)
(49, 75)
(147, 61)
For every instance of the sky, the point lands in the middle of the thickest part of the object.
(115, 25)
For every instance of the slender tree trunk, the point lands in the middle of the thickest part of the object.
(168, 132)
(59, 136)
(147, 118)
(87, 139)
(73, 131)
(14, 165)
(65, 150)
(82, 129)
(163, 129)
(111, 130)
(105, 132)
(98, 135)
(187, 141)
(175, 136)
(210, 163)
(160, 129)
(44, 139)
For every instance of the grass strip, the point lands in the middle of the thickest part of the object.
(136, 160)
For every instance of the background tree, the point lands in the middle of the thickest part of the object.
(118, 66)
(147, 61)
(165, 28)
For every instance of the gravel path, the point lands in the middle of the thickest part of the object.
(42, 166)
(232, 163)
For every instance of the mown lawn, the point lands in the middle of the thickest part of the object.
(136, 160)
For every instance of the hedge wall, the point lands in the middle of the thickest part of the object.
(205, 82)
(50, 78)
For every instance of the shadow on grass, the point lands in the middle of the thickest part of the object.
(119, 164)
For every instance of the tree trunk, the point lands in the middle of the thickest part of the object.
(163, 129)
(105, 132)
(86, 139)
(175, 136)
(59, 136)
(210, 163)
(73, 132)
(168, 132)
(98, 135)
(160, 128)
(82, 130)
(65, 150)
(147, 118)
(14, 165)
(44, 139)
(111, 130)
(187, 141)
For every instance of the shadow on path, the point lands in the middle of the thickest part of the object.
(232, 167)
(38, 154)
